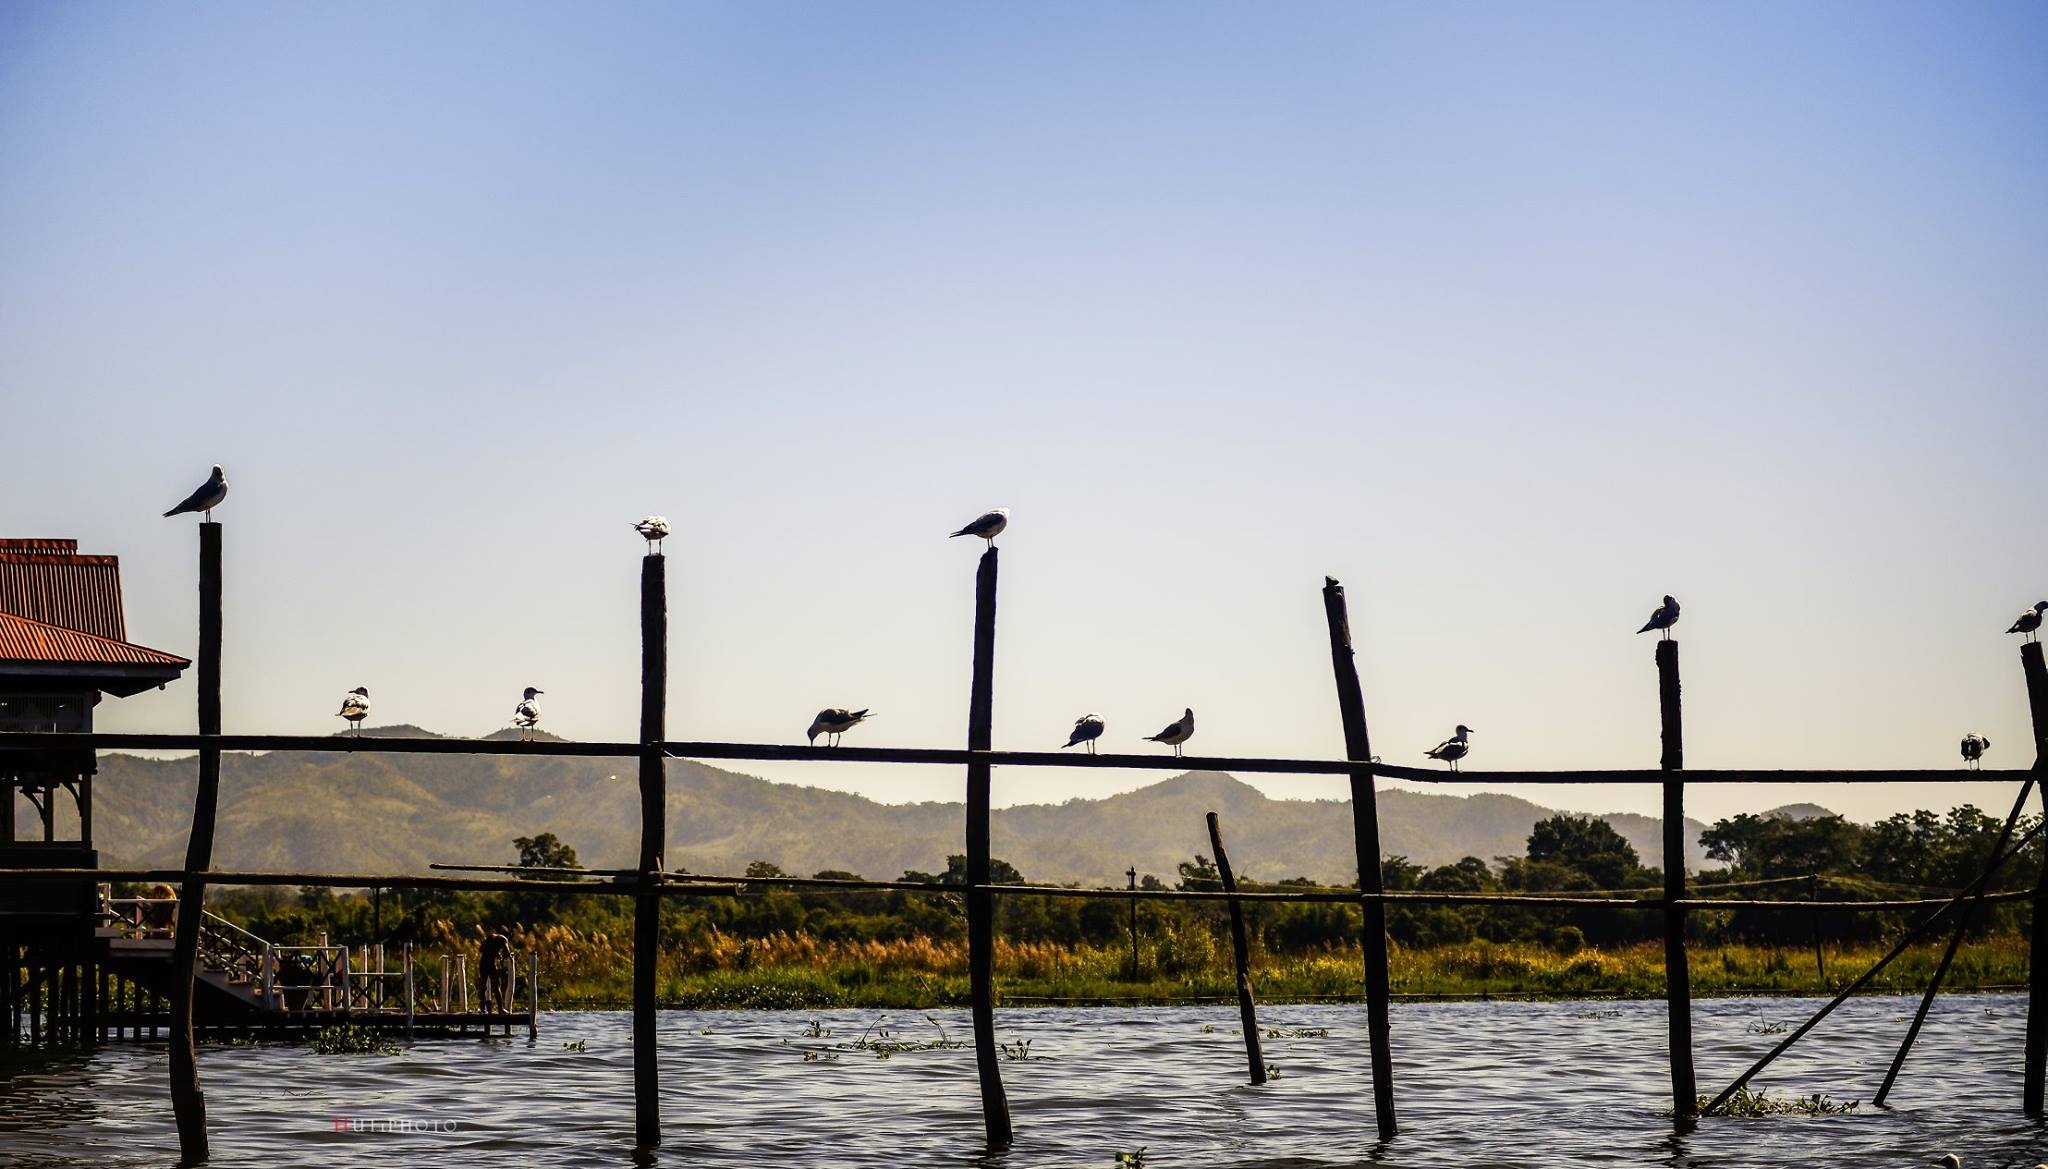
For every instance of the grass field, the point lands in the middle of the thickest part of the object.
(797, 971)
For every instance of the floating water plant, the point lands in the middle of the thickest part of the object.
(579, 1045)
(1748, 1103)
(1135, 1160)
(1019, 1050)
(1297, 1033)
(349, 1039)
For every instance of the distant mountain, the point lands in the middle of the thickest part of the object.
(396, 813)
(1798, 812)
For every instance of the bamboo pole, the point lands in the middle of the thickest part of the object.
(1820, 962)
(1955, 943)
(2037, 970)
(1240, 954)
(188, 1100)
(1677, 973)
(653, 831)
(995, 1103)
(1365, 830)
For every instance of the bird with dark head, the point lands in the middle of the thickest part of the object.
(1663, 617)
(988, 525)
(526, 715)
(2030, 621)
(1452, 749)
(833, 722)
(1177, 732)
(1087, 729)
(206, 498)
(355, 707)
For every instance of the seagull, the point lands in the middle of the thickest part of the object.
(1974, 746)
(1087, 729)
(208, 496)
(526, 715)
(655, 528)
(988, 525)
(1665, 616)
(355, 707)
(833, 722)
(1453, 749)
(1177, 732)
(2029, 622)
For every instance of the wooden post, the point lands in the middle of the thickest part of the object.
(1677, 971)
(1240, 953)
(981, 926)
(1820, 962)
(532, 995)
(188, 1101)
(409, 1003)
(1365, 829)
(653, 842)
(2037, 969)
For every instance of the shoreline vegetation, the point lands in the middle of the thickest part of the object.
(796, 972)
(777, 946)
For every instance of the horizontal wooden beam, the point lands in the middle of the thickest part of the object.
(952, 757)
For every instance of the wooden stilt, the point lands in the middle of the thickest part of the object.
(1365, 826)
(1677, 971)
(995, 1103)
(653, 832)
(188, 1101)
(1240, 954)
(2037, 970)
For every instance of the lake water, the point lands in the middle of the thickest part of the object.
(1479, 1084)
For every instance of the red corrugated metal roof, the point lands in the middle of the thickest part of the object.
(24, 639)
(48, 581)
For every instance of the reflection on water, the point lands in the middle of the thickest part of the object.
(1479, 1084)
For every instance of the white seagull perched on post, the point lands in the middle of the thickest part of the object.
(355, 707)
(1177, 732)
(208, 496)
(655, 528)
(1974, 746)
(1087, 729)
(526, 715)
(1665, 616)
(833, 722)
(2029, 622)
(1454, 748)
(988, 525)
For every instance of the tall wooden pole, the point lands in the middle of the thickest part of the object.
(1240, 955)
(188, 1102)
(1365, 826)
(2037, 968)
(1677, 972)
(653, 842)
(981, 934)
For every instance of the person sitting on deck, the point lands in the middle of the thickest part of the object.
(494, 974)
(159, 911)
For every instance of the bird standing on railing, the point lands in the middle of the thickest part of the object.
(1087, 729)
(355, 707)
(1974, 746)
(526, 715)
(833, 722)
(655, 528)
(988, 525)
(1177, 732)
(1663, 618)
(2029, 622)
(1454, 748)
(208, 496)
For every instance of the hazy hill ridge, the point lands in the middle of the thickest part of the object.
(397, 813)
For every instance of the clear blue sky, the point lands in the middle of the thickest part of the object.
(1513, 317)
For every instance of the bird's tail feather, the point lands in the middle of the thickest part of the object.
(961, 532)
